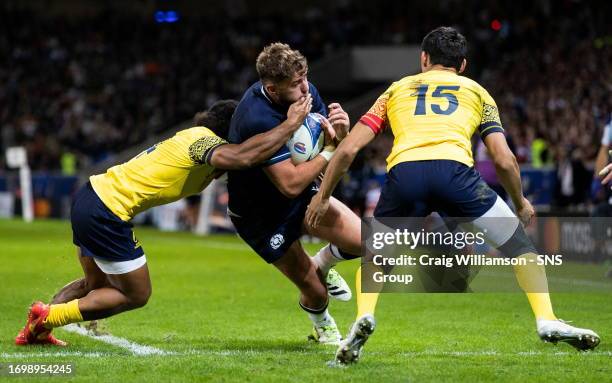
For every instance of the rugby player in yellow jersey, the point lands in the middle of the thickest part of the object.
(116, 274)
(433, 116)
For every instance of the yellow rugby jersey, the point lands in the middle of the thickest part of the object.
(433, 116)
(173, 169)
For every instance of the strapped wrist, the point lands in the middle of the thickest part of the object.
(328, 152)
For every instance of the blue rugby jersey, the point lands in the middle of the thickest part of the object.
(251, 192)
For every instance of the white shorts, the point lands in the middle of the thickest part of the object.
(110, 267)
(499, 223)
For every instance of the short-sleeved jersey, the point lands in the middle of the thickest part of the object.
(433, 116)
(171, 170)
(250, 190)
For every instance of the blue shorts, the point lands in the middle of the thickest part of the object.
(418, 188)
(271, 237)
(99, 232)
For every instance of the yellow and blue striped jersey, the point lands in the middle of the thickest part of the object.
(433, 116)
(173, 169)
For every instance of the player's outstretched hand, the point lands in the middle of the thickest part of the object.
(339, 120)
(316, 210)
(525, 212)
(299, 110)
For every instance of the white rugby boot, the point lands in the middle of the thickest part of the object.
(350, 348)
(337, 288)
(554, 331)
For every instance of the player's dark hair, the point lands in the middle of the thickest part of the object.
(278, 62)
(445, 46)
(217, 118)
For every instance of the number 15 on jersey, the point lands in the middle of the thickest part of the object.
(440, 93)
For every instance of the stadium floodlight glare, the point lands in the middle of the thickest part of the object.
(16, 157)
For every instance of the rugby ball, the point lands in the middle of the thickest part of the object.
(307, 141)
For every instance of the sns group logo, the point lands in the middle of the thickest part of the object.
(276, 241)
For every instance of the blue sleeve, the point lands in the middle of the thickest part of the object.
(281, 154)
(261, 123)
(318, 106)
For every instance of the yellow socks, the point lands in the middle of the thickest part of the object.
(366, 302)
(541, 306)
(532, 279)
(63, 314)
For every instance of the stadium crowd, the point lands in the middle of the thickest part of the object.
(75, 91)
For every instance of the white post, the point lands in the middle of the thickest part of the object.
(27, 205)
(16, 157)
(206, 206)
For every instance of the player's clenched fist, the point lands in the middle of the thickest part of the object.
(525, 212)
(339, 120)
(299, 110)
(316, 210)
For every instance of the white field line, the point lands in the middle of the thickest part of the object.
(59, 354)
(247, 353)
(134, 348)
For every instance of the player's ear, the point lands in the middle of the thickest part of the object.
(271, 88)
(463, 65)
(424, 61)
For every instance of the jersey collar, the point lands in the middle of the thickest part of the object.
(279, 108)
(263, 91)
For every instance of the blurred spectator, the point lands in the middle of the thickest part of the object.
(77, 90)
(601, 194)
(540, 152)
(573, 178)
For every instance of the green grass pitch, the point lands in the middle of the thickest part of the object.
(222, 314)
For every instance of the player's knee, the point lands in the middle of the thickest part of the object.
(517, 245)
(138, 301)
(140, 298)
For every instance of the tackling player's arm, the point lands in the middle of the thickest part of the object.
(509, 174)
(263, 145)
(360, 136)
(369, 125)
(507, 169)
(290, 179)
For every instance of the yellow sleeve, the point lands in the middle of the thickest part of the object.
(490, 121)
(200, 151)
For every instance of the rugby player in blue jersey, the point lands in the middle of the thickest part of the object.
(267, 203)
